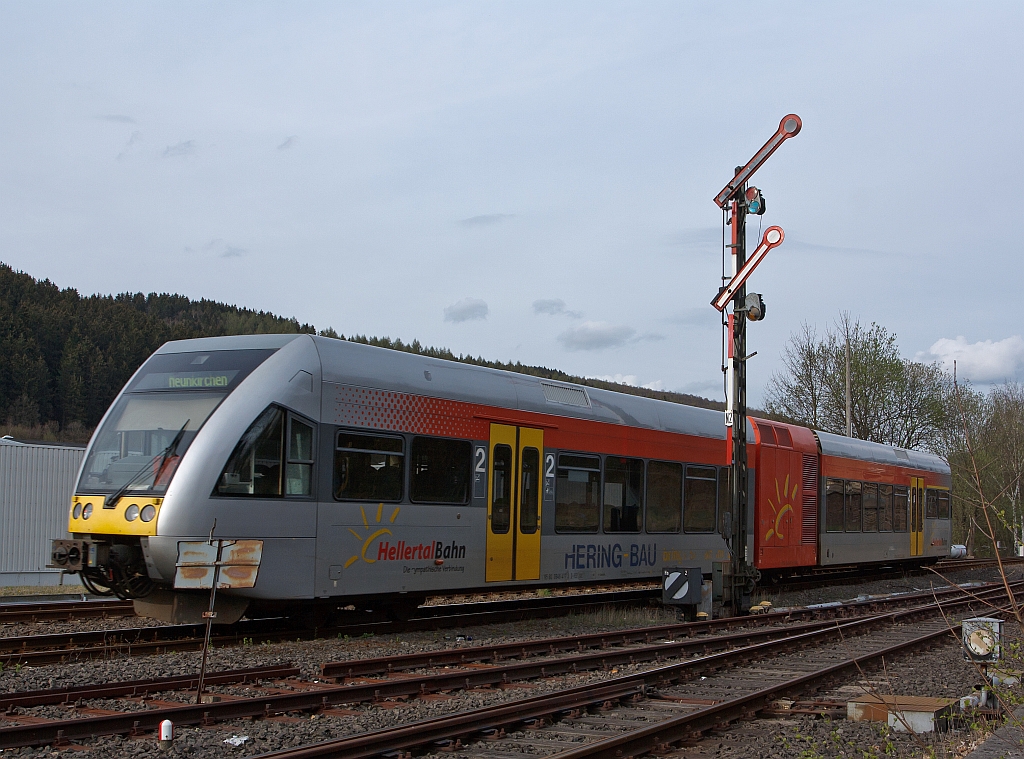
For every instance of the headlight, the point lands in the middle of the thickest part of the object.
(148, 512)
(77, 511)
(87, 511)
(132, 512)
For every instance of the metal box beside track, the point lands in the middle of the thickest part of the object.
(681, 586)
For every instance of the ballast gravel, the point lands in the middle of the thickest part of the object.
(940, 671)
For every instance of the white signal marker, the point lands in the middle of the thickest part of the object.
(773, 237)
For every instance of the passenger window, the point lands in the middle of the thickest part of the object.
(700, 499)
(835, 493)
(870, 507)
(664, 496)
(853, 502)
(577, 493)
(944, 510)
(623, 494)
(440, 470)
(900, 499)
(529, 516)
(885, 508)
(368, 467)
(931, 501)
(266, 464)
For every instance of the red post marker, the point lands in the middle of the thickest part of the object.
(788, 127)
(773, 237)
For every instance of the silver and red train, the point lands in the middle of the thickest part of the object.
(344, 472)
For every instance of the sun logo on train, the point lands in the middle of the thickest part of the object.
(374, 534)
(780, 507)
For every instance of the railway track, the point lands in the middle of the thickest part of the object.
(712, 654)
(36, 650)
(63, 611)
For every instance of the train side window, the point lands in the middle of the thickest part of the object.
(835, 491)
(724, 498)
(700, 498)
(885, 508)
(266, 462)
(529, 499)
(440, 470)
(578, 493)
(664, 496)
(900, 499)
(944, 510)
(931, 503)
(368, 467)
(853, 504)
(623, 494)
(871, 520)
(501, 490)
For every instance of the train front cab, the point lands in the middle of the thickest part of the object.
(882, 504)
(786, 496)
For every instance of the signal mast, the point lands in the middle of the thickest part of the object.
(738, 199)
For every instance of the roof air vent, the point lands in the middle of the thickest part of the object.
(567, 396)
(901, 454)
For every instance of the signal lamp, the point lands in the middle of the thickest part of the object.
(77, 511)
(754, 306)
(87, 511)
(755, 201)
(148, 512)
(132, 513)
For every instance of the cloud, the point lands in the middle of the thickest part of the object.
(631, 379)
(984, 361)
(185, 148)
(220, 248)
(288, 143)
(117, 118)
(135, 138)
(698, 237)
(486, 220)
(593, 336)
(554, 307)
(466, 310)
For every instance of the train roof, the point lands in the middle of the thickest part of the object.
(864, 450)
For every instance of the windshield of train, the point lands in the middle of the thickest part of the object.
(152, 424)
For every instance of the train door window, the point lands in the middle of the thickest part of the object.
(900, 500)
(835, 493)
(664, 496)
(853, 506)
(529, 499)
(700, 498)
(501, 490)
(623, 494)
(931, 500)
(440, 470)
(298, 476)
(885, 508)
(944, 510)
(368, 467)
(578, 493)
(871, 520)
(267, 463)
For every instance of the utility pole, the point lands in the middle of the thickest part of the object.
(739, 199)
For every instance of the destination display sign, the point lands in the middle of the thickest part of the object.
(187, 380)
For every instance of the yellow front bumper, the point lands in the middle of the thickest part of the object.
(112, 521)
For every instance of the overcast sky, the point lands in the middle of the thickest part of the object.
(528, 181)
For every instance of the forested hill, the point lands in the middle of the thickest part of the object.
(64, 357)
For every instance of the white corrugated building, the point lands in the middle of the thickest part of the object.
(36, 485)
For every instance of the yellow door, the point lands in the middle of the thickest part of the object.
(916, 516)
(514, 503)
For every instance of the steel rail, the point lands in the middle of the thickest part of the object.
(141, 688)
(50, 611)
(324, 697)
(457, 727)
(59, 648)
(644, 635)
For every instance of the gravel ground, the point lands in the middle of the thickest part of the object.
(939, 672)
